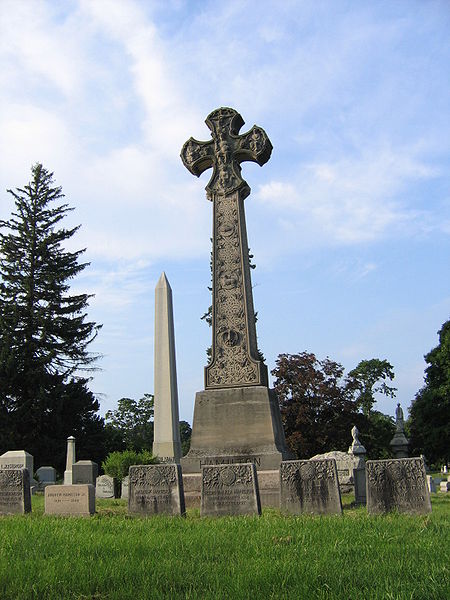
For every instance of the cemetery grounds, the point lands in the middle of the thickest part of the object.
(113, 555)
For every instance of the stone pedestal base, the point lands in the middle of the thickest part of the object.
(236, 425)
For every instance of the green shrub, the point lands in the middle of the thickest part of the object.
(117, 463)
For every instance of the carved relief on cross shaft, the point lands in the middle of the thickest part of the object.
(231, 362)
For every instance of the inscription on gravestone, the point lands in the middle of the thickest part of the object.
(397, 484)
(156, 489)
(310, 486)
(104, 488)
(76, 499)
(15, 497)
(230, 490)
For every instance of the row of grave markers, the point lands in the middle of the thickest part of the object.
(306, 486)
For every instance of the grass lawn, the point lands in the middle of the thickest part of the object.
(115, 556)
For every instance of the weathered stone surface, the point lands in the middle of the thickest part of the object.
(236, 426)
(235, 359)
(125, 488)
(224, 429)
(310, 486)
(345, 464)
(84, 471)
(104, 487)
(75, 499)
(359, 479)
(70, 460)
(156, 489)
(15, 497)
(397, 484)
(166, 441)
(17, 459)
(230, 490)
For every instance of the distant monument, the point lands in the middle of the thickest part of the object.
(399, 443)
(166, 440)
(236, 417)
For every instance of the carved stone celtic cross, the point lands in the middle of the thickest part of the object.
(234, 360)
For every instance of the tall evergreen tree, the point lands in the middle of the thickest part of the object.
(44, 331)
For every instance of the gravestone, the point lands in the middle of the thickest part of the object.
(125, 488)
(399, 442)
(345, 464)
(18, 459)
(236, 418)
(444, 486)
(166, 439)
(85, 471)
(230, 489)
(47, 476)
(70, 460)
(15, 496)
(397, 484)
(74, 499)
(310, 486)
(430, 484)
(156, 489)
(104, 487)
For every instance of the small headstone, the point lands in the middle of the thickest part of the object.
(47, 476)
(430, 484)
(444, 486)
(15, 497)
(84, 471)
(156, 489)
(125, 487)
(104, 487)
(78, 500)
(397, 484)
(230, 490)
(444, 469)
(310, 486)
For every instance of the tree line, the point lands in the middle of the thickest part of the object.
(46, 365)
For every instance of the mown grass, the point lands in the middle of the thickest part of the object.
(115, 556)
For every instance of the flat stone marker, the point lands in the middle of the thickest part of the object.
(397, 484)
(230, 489)
(84, 471)
(76, 499)
(104, 487)
(15, 496)
(310, 486)
(156, 489)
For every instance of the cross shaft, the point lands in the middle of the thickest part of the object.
(234, 360)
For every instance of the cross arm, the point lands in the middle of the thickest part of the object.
(253, 146)
(197, 156)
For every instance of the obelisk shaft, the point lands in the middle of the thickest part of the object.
(166, 441)
(70, 459)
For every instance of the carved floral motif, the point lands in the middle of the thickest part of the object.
(148, 475)
(227, 475)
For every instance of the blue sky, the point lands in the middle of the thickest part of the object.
(349, 220)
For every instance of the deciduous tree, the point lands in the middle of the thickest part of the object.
(429, 421)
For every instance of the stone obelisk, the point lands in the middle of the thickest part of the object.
(236, 417)
(166, 441)
(70, 460)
